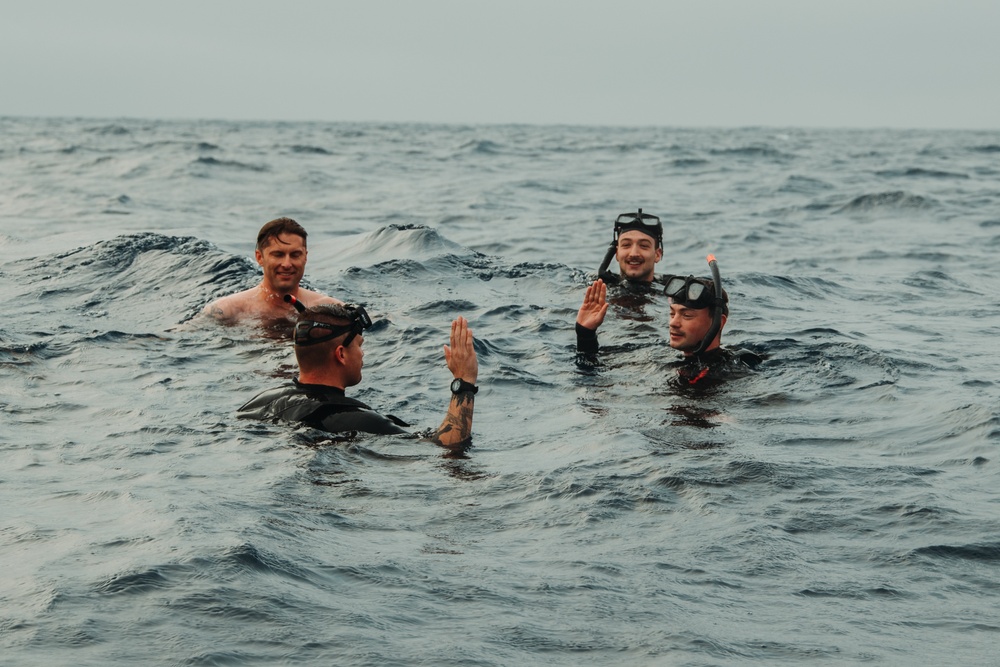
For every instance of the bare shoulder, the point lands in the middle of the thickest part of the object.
(311, 298)
(231, 308)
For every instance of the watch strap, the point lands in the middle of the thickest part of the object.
(458, 386)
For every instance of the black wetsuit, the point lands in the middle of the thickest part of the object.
(319, 406)
(705, 367)
(587, 346)
(642, 286)
(714, 365)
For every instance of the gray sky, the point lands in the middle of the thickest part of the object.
(848, 63)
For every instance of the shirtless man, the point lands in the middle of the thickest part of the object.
(281, 253)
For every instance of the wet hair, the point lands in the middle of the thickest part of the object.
(312, 356)
(725, 298)
(278, 226)
(329, 313)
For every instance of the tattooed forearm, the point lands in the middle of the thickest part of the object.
(456, 428)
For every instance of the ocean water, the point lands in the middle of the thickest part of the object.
(838, 506)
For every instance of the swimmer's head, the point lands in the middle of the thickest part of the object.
(328, 322)
(643, 222)
(277, 227)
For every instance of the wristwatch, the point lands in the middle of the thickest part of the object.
(458, 385)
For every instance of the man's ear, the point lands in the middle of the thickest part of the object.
(722, 322)
(258, 255)
(659, 255)
(340, 354)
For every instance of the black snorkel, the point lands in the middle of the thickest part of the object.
(295, 302)
(718, 305)
(608, 256)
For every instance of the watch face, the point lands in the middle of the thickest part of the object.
(459, 385)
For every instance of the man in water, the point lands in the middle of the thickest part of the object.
(638, 247)
(698, 313)
(328, 348)
(281, 252)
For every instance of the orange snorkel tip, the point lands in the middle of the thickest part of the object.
(295, 302)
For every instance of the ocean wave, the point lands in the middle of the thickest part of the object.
(397, 242)
(893, 200)
(303, 149)
(231, 164)
(141, 277)
(986, 552)
(133, 583)
(112, 129)
(916, 172)
(688, 162)
(249, 557)
(754, 151)
(482, 147)
(796, 184)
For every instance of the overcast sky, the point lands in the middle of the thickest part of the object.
(843, 63)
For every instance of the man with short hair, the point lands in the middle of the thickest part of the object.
(637, 246)
(281, 252)
(328, 348)
(698, 312)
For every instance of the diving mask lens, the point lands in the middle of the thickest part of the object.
(649, 224)
(690, 291)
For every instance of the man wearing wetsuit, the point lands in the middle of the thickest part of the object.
(328, 340)
(281, 252)
(697, 315)
(637, 246)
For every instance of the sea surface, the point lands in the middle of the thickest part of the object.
(839, 506)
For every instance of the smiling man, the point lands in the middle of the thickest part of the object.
(281, 252)
(637, 246)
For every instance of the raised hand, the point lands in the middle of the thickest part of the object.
(595, 305)
(461, 355)
(456, 429)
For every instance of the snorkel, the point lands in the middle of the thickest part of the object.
(295, 302)
(608, 256)
(718, 304)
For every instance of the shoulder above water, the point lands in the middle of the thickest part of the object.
(254, 303)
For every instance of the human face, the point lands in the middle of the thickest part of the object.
(284, 262)
(637, 255)
(354, 361)
(688, 327)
